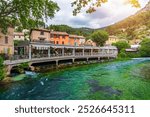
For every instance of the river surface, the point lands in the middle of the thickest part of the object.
(102, 81)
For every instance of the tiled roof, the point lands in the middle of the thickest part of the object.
(76, 36)
(59, 33)
(40, 29)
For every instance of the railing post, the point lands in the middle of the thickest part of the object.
(30, 51)
(73, 52)
(49, 52)
(83, 51)
(62, 51)
(91, 51)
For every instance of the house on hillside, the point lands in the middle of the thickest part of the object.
(89, 43)
(6, 42)
(113, 39)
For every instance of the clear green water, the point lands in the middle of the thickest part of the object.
(114, 80)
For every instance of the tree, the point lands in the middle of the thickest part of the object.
(79, 4)
(2, 72)
(145, 48)
(28, 13)
(100, 37)
(121, 45)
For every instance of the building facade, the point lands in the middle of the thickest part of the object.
(59, 38)
(19, 36)
(6, 42)
(40, 35)
(113, 39)
(55, 37)
(90, 43)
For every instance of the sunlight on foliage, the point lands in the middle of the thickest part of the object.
(93, 4)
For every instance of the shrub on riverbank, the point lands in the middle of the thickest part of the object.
(145, 48)
(22, 67)
(2, 71)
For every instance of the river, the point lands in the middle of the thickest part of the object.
(117, 80)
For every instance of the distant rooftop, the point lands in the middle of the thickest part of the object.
(76, 36)
(60, 33)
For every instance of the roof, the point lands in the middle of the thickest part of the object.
(59, 33)
(76, 36)
(131, 50)
(135, 46)
(40, 29)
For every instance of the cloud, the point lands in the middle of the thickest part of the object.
(109, 13)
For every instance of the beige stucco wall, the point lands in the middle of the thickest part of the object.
(35, 35)
(7, 48)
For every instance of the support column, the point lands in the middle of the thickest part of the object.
(49, 52)
(30, 52)
(56, 63)
(73, 60)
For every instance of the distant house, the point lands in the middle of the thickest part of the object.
(61, 38)
(56, 37)
(82, 40)
(74, 40)
(113, 39)
(134, 48)
(39, 35)
(19, 36)
(90, 43)
(6, 42)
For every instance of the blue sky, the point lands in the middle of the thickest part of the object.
(109, 13)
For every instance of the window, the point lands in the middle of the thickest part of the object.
(57, 36)
(42, 32)
(63, 43)
(63, 37)
(6, 40)
(52, 36)
(42, 39)
(57, 42)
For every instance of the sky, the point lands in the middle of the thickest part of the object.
(108, 14)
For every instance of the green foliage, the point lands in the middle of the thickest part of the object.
(132, 27)
(100, 37)
(133, 54)
(121, 45)
(28, 13)
(91, 5)
(122, 54)
(22, 67)
(145, 48)
(2, 71)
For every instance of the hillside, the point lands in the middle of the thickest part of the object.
(135, 27)
(78, 31)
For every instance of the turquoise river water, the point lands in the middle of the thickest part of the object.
(113, 80)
